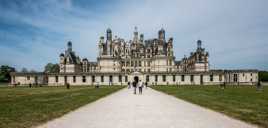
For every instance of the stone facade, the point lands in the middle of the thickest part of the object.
(151, 60)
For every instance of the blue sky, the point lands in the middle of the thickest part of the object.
(35, 32)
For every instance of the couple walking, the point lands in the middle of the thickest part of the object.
(139, 85)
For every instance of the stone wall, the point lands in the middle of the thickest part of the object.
(197, 78)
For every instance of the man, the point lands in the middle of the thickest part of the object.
(67, 85)
(97, 85)
(146, 85)
(134, 84)
(140, 87)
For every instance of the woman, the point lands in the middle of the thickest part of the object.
(140, 87)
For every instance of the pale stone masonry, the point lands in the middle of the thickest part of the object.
(151, 61)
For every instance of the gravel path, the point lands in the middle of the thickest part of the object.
(153, 109)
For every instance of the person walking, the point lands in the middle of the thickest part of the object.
(134, 84)
(128, 84)
(140, 87)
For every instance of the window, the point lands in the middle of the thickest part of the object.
(120, 78)
(126, 78)
(74, 79)
(174, 78)
(182, 77)
(192, 78)
(211, 77)
(28, 77)
(156, 78)
(235, 77)
(56, 78)
(164, 78)
(93, 79)
(147, 78)
(110, 78)
(84, 79)
(250, 74)
(220, 77)
(201, 79)
(102, 78)
(65, 79)
(140, 63)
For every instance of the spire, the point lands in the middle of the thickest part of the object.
(109, 34)
(141, 38)
(136, 34)
(69, 45)
(101, 40)
(136, 29)
(199, 43)
(161, 34)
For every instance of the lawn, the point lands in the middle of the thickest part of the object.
(24, 107)
(244, 103)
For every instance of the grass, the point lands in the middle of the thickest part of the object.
(244, 103)
(24, 107)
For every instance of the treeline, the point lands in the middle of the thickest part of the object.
(5, 73)
(263, 76)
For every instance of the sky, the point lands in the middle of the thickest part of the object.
(35, 32)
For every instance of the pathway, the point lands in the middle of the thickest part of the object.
(153, 109)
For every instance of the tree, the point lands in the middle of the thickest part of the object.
(263, 76)
(52, 68)
(5, 71)
(24, 70)
(33, 71)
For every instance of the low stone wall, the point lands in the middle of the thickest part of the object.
(164, 78)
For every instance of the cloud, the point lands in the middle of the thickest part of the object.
(234, 32)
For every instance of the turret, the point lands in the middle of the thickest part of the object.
(161, 34)
(109, 41)
(170, 41)
(199, 44)
(141, 38)
(101, 46)
(69, 45)
(170, 47)
(101, 40)
(62, 58)
(109, 34)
